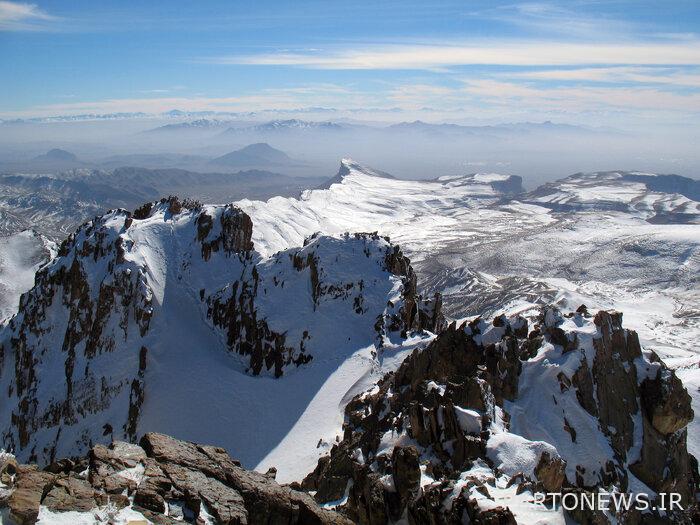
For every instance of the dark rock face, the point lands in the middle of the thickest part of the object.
(615, 377)
(666, 403)
(550, 472)
(233, 311)
(406, 470)
(235, 233)
(449, 398)
(417, 314)
(173, 475)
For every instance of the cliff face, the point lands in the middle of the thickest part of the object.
(471, 427)
(135, 299)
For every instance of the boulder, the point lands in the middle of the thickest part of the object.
(30, 487)
(161, 471)
(70, 494)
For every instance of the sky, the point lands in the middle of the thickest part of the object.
(602, 63)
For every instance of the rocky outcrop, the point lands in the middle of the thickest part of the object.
(167, 481)
(666, 403)
(430, 442)
(234, 309)
(235, 232)
(438, 399)
(417, 313)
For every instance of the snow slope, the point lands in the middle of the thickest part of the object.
(483, 251)
(21, 255)
(425, 215)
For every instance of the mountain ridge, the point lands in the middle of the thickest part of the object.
(175, 283)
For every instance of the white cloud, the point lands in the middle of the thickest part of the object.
(552, 19)
(638, 100)
(16, 16)
(497, 97)
(468, 98)
(524, 53)
(639, 75)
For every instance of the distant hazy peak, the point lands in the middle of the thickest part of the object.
(258, 154)
(260, 147)
(57, 154)
(296, 123)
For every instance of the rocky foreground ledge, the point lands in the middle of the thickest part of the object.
(163, 480)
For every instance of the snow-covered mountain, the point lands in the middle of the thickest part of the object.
(655, 198)
(468, 429)
(187, 319)
(191, 125)
(483, 248)
(543, 129)
(424, 213)
(168, 319)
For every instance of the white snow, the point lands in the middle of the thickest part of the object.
(512, 453)
(469, 420)
(21, 255)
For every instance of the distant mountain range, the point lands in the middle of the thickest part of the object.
(198, 124)
(277, 126)
(417, 127)
(78, 118)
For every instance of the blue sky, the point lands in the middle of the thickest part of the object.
(618, 63)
